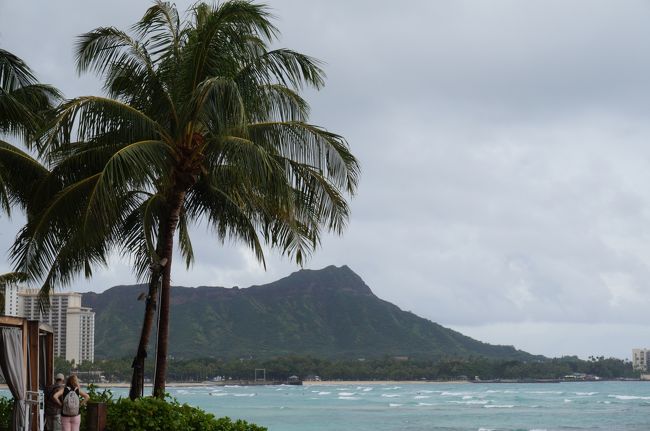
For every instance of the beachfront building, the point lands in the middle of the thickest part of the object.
(73, 325)
(11, 301)
(640, 359)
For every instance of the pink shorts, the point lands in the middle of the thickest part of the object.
(70, 423)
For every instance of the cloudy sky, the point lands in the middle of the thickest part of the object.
(505, 148)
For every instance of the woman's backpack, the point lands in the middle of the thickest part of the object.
(70, 402)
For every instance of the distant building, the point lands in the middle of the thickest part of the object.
(73, 325)
(11, 301)
(640, 359)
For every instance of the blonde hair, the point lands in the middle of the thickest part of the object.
(72, 381)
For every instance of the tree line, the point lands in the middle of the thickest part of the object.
(280, 369)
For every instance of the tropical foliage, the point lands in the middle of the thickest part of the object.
(387, 368)
(6, 409)
(25, 105)
(146, 414)
(202, 123)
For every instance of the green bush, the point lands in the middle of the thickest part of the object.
(148, 414)
(6, 406)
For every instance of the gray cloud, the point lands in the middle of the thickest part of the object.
(504, 154)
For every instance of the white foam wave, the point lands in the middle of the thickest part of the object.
(324, 393)
(421, 397)
(425, 404)
(586, 394)
(453, 394)
(395, 405)
(218, 394)
(349, 398)
(470, 402)
(499, 406)
(245, 395)
(566, 400)
(628, 397)
(390, 395)
(346, 394)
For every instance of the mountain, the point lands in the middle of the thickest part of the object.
(326, 313)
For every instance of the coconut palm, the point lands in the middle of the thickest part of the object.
(202, 123)
(24, 106)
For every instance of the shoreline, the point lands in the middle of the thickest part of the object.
(124, 385)
(304, 383)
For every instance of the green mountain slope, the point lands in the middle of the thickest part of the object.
(326, 313)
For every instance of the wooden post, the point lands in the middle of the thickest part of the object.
(49, 360)
(32, 338)
(96, 417)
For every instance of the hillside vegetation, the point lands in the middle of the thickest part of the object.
(328, 313)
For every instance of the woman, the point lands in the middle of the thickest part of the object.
(70, 418)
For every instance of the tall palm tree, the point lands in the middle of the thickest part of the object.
(202, 122)
(24, 106)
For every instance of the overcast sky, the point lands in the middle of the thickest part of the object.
(505, 149)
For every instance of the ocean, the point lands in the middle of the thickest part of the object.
(576, 406)
(610, 406)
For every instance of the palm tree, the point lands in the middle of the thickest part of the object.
(202, 123)
(24, 106)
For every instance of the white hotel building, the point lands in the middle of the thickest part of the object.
(73, 325)
(640, 359)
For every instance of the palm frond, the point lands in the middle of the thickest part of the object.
(312, 145)
(14, 72)
(162, 27)
(184, 240)
(96, 116)
(133, 167)
(284, 66)
(19, 172)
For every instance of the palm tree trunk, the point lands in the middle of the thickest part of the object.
(137, 380)
(176, 203)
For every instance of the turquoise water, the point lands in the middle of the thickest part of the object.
(610, 406)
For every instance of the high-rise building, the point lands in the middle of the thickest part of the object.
(11, 301)
(73, 325)
(640, 359)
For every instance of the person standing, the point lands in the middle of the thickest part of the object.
(68, 399)
(52, 409)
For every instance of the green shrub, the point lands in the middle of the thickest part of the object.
(6, 406)
(6, 409)
(148, 414)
